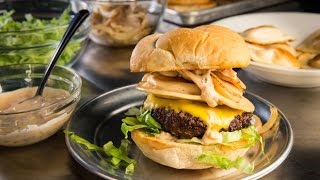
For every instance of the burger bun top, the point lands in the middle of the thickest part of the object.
(204, 47)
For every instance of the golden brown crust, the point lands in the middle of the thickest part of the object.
(188, 2)
(204, 47)
(179, 155)
(188, 8)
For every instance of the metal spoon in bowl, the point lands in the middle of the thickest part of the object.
(74, 25)
(35, 101)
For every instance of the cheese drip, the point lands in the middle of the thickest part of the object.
(215, 118)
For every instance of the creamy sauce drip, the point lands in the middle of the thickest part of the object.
(211, 86)
(168, 83)
(214, 87)
(204, 82)
(22, 100)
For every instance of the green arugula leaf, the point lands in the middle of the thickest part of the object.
(151, 122)
(142, 120)
(126, 128)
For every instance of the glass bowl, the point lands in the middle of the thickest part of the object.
(33, 124)
(31, 30)
(122, 22)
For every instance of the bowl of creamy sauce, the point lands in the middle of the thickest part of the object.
(25, 120)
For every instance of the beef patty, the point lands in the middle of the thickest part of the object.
(184, 126)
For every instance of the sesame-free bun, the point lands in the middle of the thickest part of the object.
(204, 47)
(179, 155)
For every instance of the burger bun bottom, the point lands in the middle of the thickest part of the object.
(178, 155)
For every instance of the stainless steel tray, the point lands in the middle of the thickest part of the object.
(99, 121)
(193, 18)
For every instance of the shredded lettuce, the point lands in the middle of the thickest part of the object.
(141, 119)
(118, 156)
(7, 23)
(34, 46)
(243, 138)
(130, 168)
(251, 135)
(231, 136)
(222, 162)
(83, 142)
(120, 153)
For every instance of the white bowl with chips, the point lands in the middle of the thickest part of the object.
(296, 24)
(302, 78)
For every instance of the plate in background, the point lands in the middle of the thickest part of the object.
(99, 121)
(296, 24)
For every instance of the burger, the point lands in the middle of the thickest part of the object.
(195, 115)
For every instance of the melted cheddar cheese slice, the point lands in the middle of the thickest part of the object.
(215, 118)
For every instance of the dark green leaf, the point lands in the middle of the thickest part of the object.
(148, 119)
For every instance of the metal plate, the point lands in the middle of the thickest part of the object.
(99, 121)
(193, 18)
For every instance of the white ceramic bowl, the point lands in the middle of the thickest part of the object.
(298, 25)
(303, 78)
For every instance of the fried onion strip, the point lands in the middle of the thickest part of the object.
(257, 122)
(272, 120)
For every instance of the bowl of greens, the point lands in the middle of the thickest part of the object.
(31, 30)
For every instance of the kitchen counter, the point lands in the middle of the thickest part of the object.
(105, 68)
